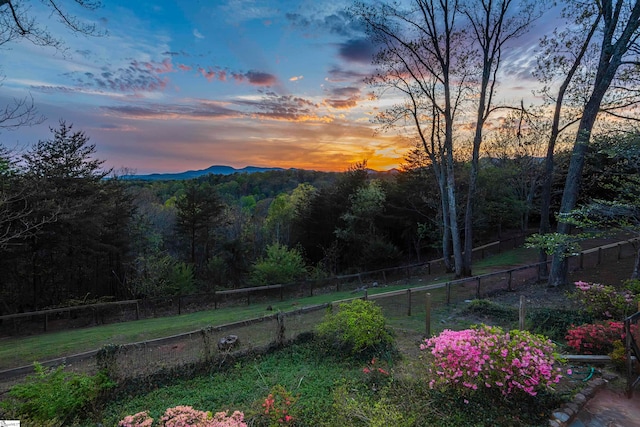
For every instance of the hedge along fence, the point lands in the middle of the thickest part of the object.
(197, 350)
(113, 312)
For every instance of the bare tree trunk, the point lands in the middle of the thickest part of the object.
(446, 232)
(636, 266)
(453, 218)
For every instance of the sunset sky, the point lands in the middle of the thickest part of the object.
(183, 85)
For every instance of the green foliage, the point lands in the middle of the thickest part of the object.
(633, 286)
(299, 368)
(563, 245)
(554, 322)
(54, 396)
(353, 409)
(180, 280)
(160, 274)
(357, 328)
(281, 265)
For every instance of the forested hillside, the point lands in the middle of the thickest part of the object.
(72, 232)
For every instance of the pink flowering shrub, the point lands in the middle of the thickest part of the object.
(487, 357)
(141, 419)
(185, 416)
(604, 301)
(597, 338)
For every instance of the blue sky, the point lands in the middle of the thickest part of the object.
(179, 85)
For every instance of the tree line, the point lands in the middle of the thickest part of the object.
(69, 229)
(75, 232)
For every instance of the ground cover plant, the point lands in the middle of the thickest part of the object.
(54, 396)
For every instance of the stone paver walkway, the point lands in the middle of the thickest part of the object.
(609, 408)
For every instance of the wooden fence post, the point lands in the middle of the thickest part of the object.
(428, 315)
(599, 256)
(280, 336)
(137, 311)
(509, 288)
(521, 313)
(478, 288)
(366, 295)
(448, 292)
(409, 302)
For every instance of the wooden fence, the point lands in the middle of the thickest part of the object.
(119, 311)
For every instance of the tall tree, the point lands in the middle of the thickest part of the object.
(65, 256)
(198, 210)
(431, 53)
(562, 57)
(493, 24)
(418, 58)
(618, 22)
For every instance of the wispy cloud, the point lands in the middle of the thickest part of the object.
(197, 34)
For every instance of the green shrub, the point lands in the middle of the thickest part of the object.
(358, 327)
(53, 396)
(554, 323)
(350, 409)
(281, 265)
(604, 301)
(633, 286)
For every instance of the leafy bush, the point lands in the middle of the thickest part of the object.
(359, 327)
(596, 338)
(633, 286)
(554, 323)
(351, 409)
(53, 395)
(281, 265)
(485, 357)
(276, 409)
(375, 375)
(604, 301)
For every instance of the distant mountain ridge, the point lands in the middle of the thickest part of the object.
(215, 170)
